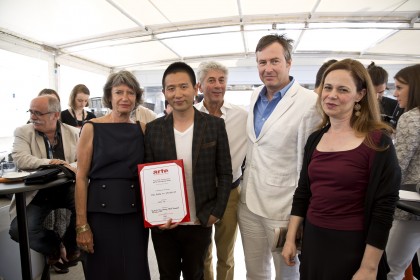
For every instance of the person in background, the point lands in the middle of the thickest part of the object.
(198, 98)
(349, 183)
(212, 77)
(76, 115)
(48, 91)
(320, 73)
(46, 141)
(168, 108)
(166, 111)
(404, 239)
(282, 115)
(390, 111)
(144, 115)
(200, 140)
(109, 222)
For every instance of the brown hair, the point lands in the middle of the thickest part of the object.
(411, 76)
(378, 74)
(369, 119)
(121, 78)
(275, 38)
(321, 71)
(80, 88)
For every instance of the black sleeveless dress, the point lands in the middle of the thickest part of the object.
(114, 207)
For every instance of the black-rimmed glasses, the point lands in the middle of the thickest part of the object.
(37, 113)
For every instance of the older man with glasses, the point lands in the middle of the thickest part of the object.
(45, 140)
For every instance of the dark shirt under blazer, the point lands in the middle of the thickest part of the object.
(211, 162)
(381, 194)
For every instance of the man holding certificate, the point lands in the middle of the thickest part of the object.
(200, 140)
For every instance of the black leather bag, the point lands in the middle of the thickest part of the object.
(48, 173)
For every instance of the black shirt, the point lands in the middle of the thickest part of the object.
(67, 118)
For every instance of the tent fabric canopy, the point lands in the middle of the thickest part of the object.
(150, 34)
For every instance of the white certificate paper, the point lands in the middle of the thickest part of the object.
(163, 192)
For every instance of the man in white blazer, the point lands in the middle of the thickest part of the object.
(282, 114)
(45, 140)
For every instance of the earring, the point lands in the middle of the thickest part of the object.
(357, 108)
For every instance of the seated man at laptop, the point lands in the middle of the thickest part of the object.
(45, 140)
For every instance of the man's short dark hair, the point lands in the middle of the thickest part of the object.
(177, 67)
(275, 38)
(321, 71)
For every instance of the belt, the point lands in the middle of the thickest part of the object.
(235, 184)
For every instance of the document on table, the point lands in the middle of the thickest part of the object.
(409, 196)
(163, 192)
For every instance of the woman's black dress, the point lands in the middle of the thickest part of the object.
(67, 118)
(114, 206)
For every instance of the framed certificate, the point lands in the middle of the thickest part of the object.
(163, 192)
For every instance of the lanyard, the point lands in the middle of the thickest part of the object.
(49, 145)
(75, 117)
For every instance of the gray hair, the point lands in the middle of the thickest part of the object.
(205, 67)
(53, 104)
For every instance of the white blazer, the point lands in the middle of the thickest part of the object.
(274, 159)
(29, 152)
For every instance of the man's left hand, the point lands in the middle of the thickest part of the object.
(63, 162)
(212, 220)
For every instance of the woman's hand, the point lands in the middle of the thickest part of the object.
(289, 248)
(85, 241)
(289, 253)
(365, 274)
(369, 266)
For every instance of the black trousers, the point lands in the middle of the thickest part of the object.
(182, 249)
(42, 240)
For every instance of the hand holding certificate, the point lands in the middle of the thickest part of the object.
(163, 192)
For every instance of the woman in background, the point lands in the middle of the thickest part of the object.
(348, 184)
(404, 238)
(390, 111)
(109, 219)
(76, 115)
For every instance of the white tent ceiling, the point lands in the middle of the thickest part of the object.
(150, 34)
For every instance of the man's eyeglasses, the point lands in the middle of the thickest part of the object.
(37, 113)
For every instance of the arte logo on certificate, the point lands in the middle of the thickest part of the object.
(163, 192)
(161, 171)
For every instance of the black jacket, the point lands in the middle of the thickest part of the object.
(381, 195)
